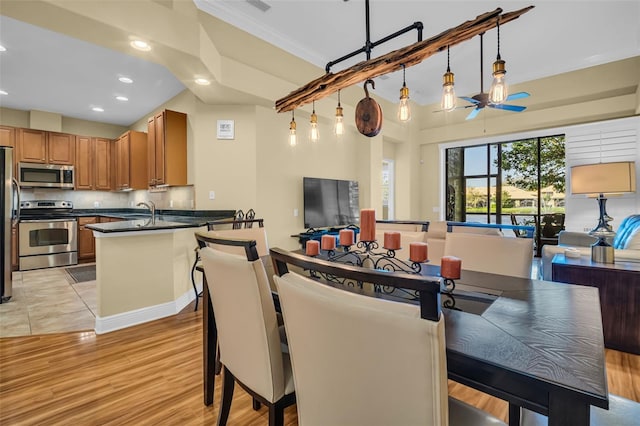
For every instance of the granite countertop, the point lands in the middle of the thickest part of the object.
(140, 219)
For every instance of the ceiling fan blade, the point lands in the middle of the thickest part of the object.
(515, 108)
(519, 95)
(473, 114)
(473, 101)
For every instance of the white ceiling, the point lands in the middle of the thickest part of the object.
(47, 71)
(43, 70)
(553, 38)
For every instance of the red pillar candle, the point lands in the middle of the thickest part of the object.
(346, 237)
(418, 252)
(450, 267)
(392, 240)
(367, 225)
(328, 242)
(313, 248)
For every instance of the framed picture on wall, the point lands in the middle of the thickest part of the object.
(226, 129)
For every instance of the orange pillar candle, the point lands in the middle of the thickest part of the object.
(392, 240)
(328, 242)
(313, 248)
(450, 267)
(367, 225)
(418, 252)
(346, 237)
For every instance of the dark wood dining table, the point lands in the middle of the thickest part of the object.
(536, 344)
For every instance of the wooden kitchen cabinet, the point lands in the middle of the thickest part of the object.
(86, 240)
(39, 146)
(61, 148)
(8, 136)
(131, 161)
(93, 163)
(84, 163)
(32, 146)
(103, 149)
(167, 133)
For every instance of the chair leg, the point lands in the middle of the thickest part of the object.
(218, 364)
(256, 404)
(276, 414)
(226, 397)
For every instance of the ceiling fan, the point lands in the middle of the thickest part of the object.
(481, 100)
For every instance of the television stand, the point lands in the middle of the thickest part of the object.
(316, 234)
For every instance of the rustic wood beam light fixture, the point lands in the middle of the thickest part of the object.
(407, 56)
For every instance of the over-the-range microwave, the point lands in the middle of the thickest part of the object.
(34, 175)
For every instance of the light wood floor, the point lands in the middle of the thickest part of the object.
(152, 375)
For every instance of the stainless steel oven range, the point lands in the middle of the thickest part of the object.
(47, 234)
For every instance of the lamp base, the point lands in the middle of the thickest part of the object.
(602, 252)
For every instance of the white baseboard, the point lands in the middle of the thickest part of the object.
(142, 315)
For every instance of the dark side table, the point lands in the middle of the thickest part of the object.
(619, 288)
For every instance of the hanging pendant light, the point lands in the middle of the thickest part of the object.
(314, 132)
(404, 110)
(293, 139)
(448, 102)
(338, 128)
(499, 90)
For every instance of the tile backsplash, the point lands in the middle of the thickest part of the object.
(176, 198)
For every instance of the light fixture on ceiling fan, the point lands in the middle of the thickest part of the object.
(482, 99)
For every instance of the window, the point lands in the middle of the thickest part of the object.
(507, 182)
(388, 197)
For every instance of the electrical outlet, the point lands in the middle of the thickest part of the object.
(295, 212)
(212, 195)
(96, 204)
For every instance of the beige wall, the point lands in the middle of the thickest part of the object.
(258, 169)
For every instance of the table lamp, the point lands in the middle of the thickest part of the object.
(597, 180)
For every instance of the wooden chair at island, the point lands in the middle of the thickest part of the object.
(360, 360)
(250, 340)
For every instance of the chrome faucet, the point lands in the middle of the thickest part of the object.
(151, 206)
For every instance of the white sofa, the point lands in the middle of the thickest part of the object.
(626, 245)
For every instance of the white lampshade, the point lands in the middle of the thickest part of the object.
(604, 178)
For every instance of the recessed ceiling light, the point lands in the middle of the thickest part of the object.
(202, 81)
(122, 98)
(98, 109)
(2, 92)
(125, 80)
(141, 45)
(2, 48)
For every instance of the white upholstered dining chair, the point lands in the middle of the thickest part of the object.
(491, 253)
(248, 334)
(359, 360)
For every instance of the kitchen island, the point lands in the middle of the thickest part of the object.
(142, 270)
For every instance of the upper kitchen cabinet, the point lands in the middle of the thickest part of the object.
(167, 134)
(7, 136)
(39, 146)
(93, 163)
(131, 161)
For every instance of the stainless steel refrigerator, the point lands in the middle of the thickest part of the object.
(9, 208)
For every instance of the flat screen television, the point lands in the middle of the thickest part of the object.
(330, 202)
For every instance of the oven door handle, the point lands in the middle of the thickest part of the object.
(47, 220)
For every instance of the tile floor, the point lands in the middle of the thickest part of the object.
(47, 301)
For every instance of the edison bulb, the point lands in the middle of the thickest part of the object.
(404, 110)
(293, 139)
(448, 102)
(499, 90)
(338, 127)
(314, 133)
